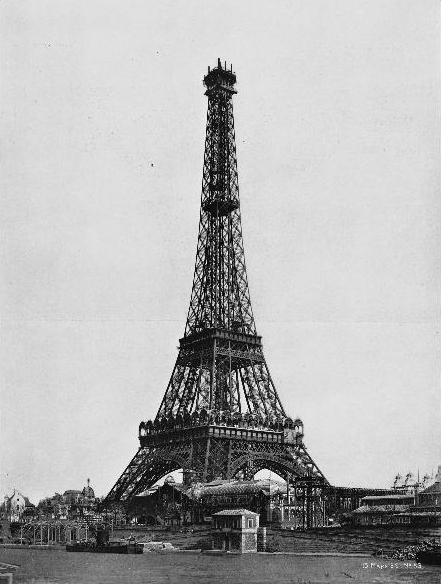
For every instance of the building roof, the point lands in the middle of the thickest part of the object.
(232, 489)
(237, 512)
(148, 492)
(14, 494)
(366, 510)
(362, 489)
(433, 489)
(382, 497)
(216, 482)
(175, 486)
(220, 487)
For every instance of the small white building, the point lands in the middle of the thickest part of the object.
(235, 530)
(15, 505)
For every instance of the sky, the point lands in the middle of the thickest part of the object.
(337, 127)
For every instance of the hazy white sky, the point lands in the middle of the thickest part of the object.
(103, 126)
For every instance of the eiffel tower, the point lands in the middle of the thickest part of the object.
(221, 416)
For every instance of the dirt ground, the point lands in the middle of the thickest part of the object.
(61, 567)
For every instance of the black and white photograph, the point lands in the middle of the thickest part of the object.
(220, 292)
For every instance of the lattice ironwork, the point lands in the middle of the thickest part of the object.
(213, 451)
(220, 415)
(220, 363)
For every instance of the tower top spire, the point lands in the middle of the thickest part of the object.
(220, 78)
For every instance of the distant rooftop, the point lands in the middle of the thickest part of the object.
(382, 497)
(366, 510)
(237, 512)
(435, 488)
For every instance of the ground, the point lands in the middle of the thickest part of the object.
(60, 567)
(337, 564)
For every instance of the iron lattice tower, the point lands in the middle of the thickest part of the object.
(221, 415)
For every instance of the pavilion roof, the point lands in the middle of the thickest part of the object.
(237, 512)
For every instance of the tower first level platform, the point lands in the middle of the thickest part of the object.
(210, 445)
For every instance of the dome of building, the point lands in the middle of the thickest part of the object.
(88, 491)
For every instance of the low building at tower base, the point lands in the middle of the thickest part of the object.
(235, 530)
(414, 508)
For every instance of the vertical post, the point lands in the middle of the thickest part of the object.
(303, 506)
(213, 380)
(190, 462)
(207, 454)
(238, 391)
(229, 375)
(294, 503)
(230, 446)
(197, 400)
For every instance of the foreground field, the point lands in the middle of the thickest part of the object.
(60, 567)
